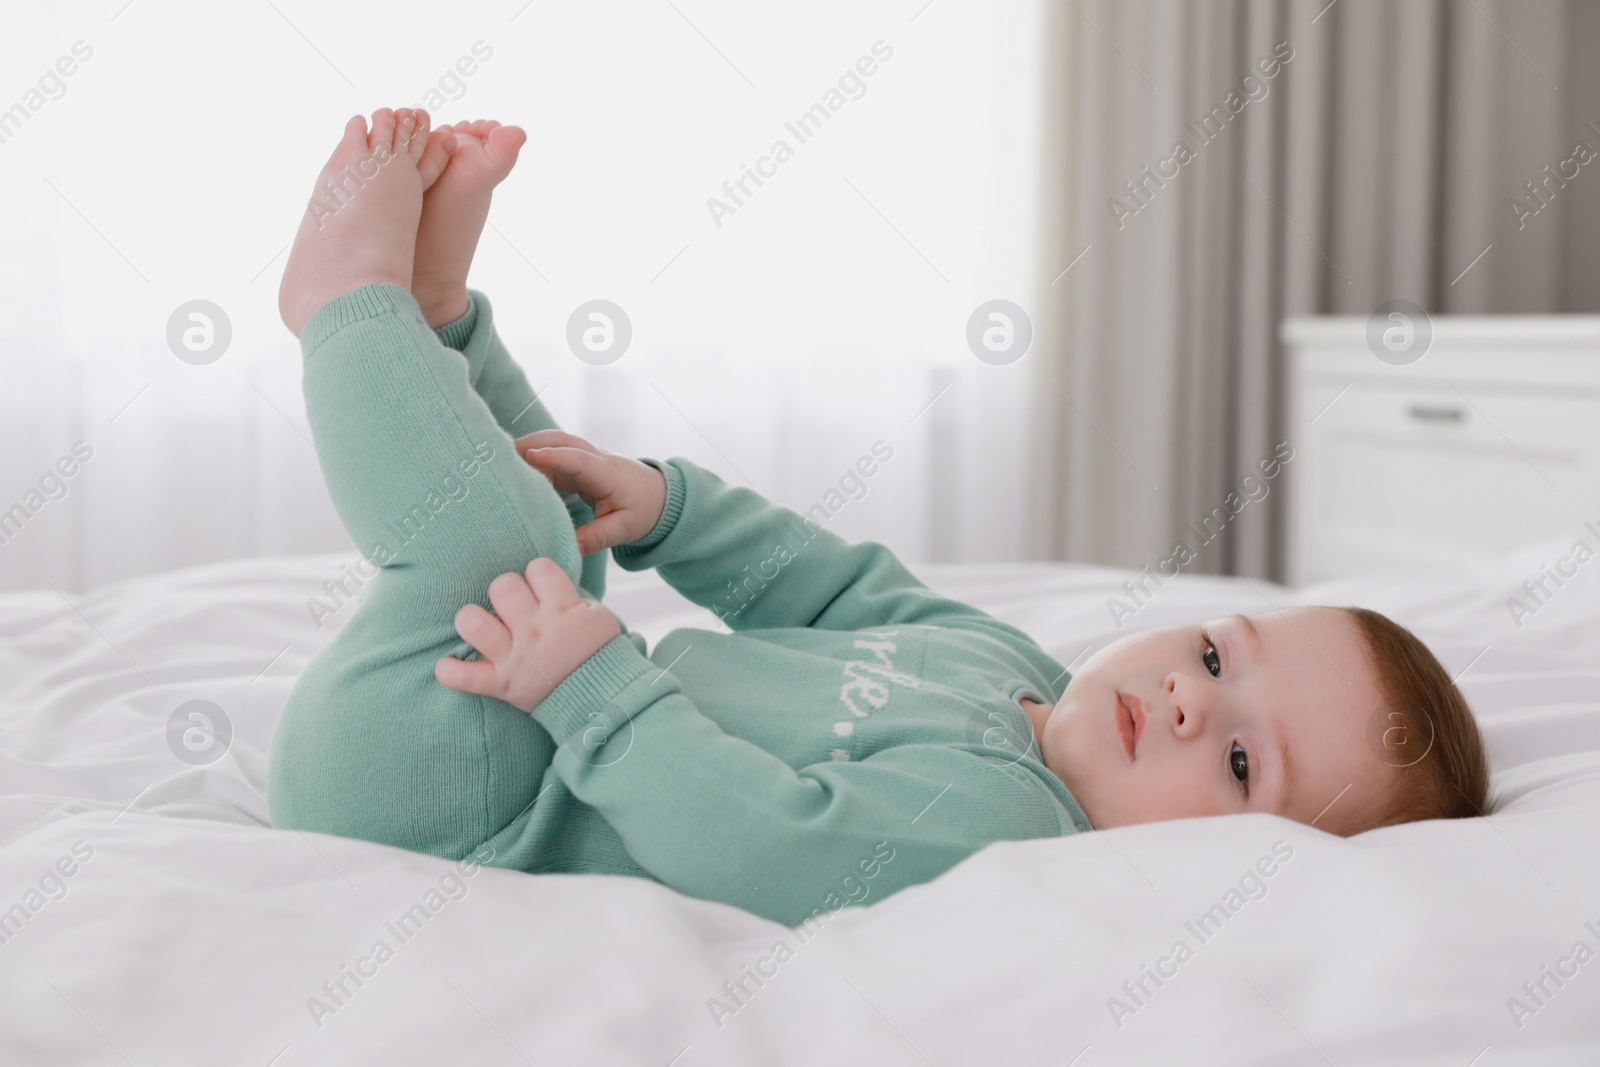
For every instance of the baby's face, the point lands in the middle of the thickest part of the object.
(1263, 714)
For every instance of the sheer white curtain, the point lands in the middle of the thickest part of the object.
(775, 343)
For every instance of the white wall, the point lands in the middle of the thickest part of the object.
(820, 317)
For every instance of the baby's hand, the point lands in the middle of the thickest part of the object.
(627, 496)
(544, 632)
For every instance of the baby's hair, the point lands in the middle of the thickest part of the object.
(1426, 729)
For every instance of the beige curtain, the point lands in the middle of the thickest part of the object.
(1374, 154)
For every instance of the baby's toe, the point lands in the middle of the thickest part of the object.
(415, 126)
(355, 131)
(405, 124)
(503, 144)
(382, 129)
(436, 155)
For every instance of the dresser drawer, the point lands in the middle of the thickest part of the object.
(1465, 415)
(1466, 455)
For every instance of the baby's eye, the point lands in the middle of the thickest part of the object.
(1212, 661)
(1239, 764)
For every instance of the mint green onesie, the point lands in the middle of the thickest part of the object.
(856, 733)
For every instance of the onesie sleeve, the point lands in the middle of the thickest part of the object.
(718, 817)
(760, 565)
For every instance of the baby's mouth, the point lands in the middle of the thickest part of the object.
(1130, 720)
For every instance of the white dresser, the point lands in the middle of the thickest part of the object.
(1489, 440)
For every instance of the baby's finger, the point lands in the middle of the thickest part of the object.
(477, 676)
(482, 631)
(553, 439)
(550, 583)
(608, 530)
(586, 473)
(541, 461)
(512, 599)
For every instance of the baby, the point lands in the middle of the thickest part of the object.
(856, 732)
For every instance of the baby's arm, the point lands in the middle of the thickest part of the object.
(713, 815)
(755, 563)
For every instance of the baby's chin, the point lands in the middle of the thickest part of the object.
(1070, 753)
(1080, 749)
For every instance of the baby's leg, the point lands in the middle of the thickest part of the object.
(428, 484)
(516, 407)
(454, 212)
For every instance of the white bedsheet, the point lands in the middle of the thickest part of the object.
(195, 934)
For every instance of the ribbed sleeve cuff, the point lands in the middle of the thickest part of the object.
(677, 493)
(596, 694)
(358, 305)
(456, 334)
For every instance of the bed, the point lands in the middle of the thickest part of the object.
(150, 915)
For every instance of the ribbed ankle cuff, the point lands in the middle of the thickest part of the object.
(456, 334)
(368, 302)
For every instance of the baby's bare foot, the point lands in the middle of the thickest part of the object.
(454, 211)
(360, 226)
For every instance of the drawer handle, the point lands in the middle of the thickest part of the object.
(1424, 413)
